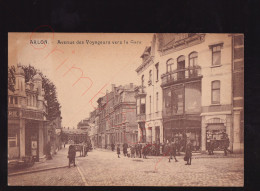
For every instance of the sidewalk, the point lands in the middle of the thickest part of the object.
(59, 160)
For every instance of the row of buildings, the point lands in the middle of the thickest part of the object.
(114, 120)
(29, 131)
(191, 86)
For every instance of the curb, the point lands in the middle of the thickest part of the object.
(36, 170)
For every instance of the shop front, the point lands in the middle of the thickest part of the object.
(215, 132)
(181, 130)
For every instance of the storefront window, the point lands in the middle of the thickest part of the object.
(177, 101)
(167, 101)
(193, 97)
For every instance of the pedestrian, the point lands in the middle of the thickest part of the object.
(136, 150)
(113, 146)
(48, 151)
(118, 150)
(173, 149)
(226, 145)
(188, 152)
(86, 149)
(145, 148)
(125, 149)
(140, 150)
(72, 155)
(132, 148)
(64, 144)
(128, 152)
(211, 146)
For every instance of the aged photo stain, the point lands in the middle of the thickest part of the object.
(121, 109)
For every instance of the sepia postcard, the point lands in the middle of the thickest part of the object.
(125, 109)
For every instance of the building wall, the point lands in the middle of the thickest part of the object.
(25, 105)
(153, 114)
(238, 92)
(222, 73)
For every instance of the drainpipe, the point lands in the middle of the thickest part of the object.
(232, 91)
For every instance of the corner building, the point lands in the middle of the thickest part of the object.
(27, 129)
(149, 96)
(199, 77)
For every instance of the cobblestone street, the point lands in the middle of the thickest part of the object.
(102, 167)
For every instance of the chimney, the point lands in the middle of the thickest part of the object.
(113, 87)
(131, 85)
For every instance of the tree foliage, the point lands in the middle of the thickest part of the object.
(11, 78)
(53, 105)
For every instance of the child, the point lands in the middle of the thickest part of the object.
(128, 152)
(118, 151)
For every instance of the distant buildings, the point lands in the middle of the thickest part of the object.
(114, 120)
(74, 136)
(84, 125)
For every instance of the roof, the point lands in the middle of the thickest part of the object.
(146, 51)
(37, 77)
(19, 70)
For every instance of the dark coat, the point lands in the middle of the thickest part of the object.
(173, 148)
(72, 152)
(188, 152)
(118, 150)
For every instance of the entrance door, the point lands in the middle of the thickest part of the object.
(157, 134)
(31, 141)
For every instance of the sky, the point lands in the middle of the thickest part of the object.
(99, 66)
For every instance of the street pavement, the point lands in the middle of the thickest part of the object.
(104, 168)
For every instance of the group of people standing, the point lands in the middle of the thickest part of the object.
(142, 150)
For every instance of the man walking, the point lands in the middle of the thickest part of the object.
(72, 155)
(173, 150)
(140, 149)
(188, 152)
(118, 151)
(226, 145)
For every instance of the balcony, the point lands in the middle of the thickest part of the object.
(140, 117)
(181, 75)
(140, 91)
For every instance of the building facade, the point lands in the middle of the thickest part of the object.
(75, 136)
(117, 117)
(238, 91)
(27, 130)
(149, 96)
(93, 122)
(201, 94)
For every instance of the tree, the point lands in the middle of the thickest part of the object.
(11, 78)
(53, 105)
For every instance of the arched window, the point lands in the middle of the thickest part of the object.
(193, 62)
(169, 65)
(193, 59)
(181, 67)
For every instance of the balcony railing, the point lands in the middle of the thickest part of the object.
(141, 117)
(140, 90)
(181, 75)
